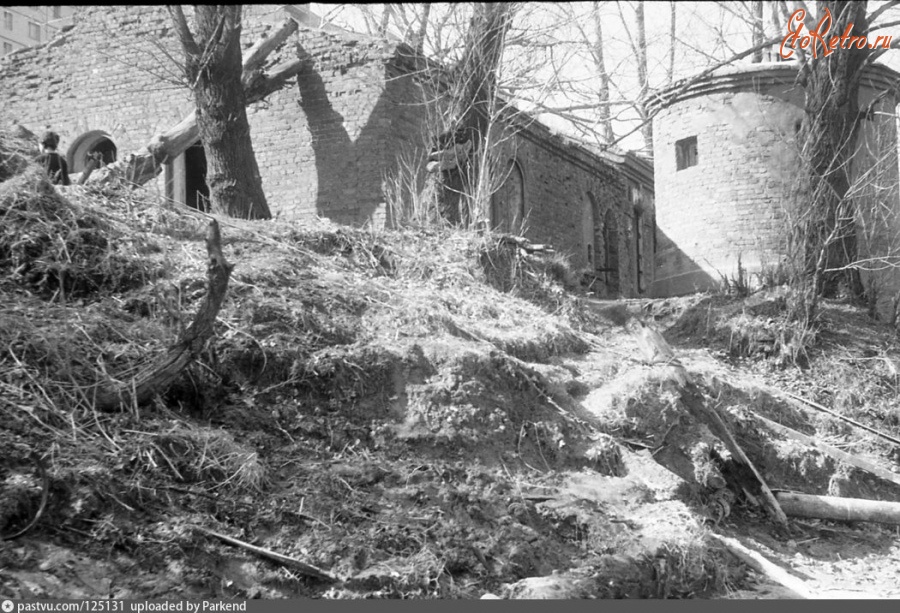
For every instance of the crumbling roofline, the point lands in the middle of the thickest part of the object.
(751, 77)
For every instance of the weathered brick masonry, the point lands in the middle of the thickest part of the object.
(734, 200)
(325, 143)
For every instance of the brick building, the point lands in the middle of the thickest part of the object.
(726, 158)
(325, 144)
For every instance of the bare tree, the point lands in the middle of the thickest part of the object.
(673, 39)
(212, 66)
(829, 138)
(758, 33)
(638, 43)
(603, 110)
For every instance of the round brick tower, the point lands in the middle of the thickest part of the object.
(725, 160)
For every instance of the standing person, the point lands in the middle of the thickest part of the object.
(53, 163)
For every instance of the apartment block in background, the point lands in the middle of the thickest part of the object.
(26, 26)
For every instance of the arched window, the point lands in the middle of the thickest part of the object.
(93, 143)
(508, 202)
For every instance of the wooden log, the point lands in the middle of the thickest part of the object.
(655, 349)
(142, 166)
(298, 565)
(834, 452)
(718, 427)
(846, 509)
(160, 375)
(760, 564)
(819, 407)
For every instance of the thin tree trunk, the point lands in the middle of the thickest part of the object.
(418, 43)
(647, 129)
(603, 110)
(639, 48)
(670, 76)
(757, 7)
(386, 15)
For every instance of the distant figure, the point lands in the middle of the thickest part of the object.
(54, 164)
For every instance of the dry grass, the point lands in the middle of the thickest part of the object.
(95, 283)
(16, 150)
(208, 457)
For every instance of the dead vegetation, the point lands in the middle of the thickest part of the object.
(420, 413)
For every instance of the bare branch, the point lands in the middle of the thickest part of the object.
(879, 12)
(184, 32)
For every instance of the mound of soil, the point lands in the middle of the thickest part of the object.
(394, 414)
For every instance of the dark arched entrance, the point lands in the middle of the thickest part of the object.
(90, 144)
(611, 252)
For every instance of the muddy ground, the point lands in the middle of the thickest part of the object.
(410, 414)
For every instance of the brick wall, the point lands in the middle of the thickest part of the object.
(734, 204)
(324, 144)
(103, 75)
(570, 195)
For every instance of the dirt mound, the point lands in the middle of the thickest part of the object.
(417, 414)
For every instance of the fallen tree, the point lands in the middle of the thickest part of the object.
(844, 509)
(139, 167)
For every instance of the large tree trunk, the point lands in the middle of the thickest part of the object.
(213, 67)
(139, 167)
(827, 231)
(473, 100)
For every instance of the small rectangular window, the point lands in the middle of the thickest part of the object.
(7, 48)
(34, 31)
(686, 153)
(7, 20)
(57, 12)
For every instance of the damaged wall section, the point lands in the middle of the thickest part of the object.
(325, 143)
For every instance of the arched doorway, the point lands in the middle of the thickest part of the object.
(95, 142)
